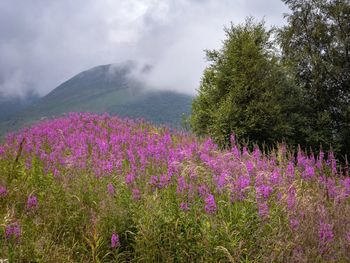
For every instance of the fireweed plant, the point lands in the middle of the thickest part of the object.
(96, 188)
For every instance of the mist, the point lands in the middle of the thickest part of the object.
(44, 43)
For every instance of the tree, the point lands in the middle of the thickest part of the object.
(316, 44)
(243, 89)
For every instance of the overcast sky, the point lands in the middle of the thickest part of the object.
(45, 42)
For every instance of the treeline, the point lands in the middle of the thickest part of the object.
(289, 84)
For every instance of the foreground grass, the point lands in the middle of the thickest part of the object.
(90, 188)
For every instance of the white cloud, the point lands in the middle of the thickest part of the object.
(43, 43)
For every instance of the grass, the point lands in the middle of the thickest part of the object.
(169, 197)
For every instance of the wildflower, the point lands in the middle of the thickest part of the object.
(250, 167)
(309, 172)
(163, 181)
(154, 180)
(275, 176)
(111, 189)
(347, 236)
(32, 202)
(243, 182)
(129, 178)
(210, 205)
(184, 206)
(290, 173)
(136, 195)
(294, 223)
(181, 185)
(263, 210)
(13, 231)
(291, 199)
(203, 190)
(3, 191)
(263, 191)
(325, 233)
(331, 188)
(115, 240)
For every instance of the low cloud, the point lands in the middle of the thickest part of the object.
(43, 43)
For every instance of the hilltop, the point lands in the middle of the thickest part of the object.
(107, 88)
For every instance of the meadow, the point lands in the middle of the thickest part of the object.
(98, 188)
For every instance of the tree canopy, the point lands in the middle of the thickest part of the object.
(242, 89)
(290, 84)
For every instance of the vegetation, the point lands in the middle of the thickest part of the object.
(102, 89)
(89, 188)
(243, 89)
(294, 87)
(96, 188)
(316, 44)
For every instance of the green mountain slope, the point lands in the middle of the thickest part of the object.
(106, 89)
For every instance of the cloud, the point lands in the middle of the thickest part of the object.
(43, 43)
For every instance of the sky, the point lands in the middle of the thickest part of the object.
(45, 42)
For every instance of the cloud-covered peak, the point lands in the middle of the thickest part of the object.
(43, 43)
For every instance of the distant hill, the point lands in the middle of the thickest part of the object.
(105, 88)
(9, 106)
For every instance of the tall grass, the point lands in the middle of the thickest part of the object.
(95, 188)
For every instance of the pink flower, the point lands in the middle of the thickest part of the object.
(294, 223)
(130, 178)
(111, 189)
(13, 231)
(184, 206)
(136, 195)
(325, 233)
(32, 202)
(115, 241)
(210, 205)
(263, 210)
(3, 191)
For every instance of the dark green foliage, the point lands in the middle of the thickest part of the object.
(316, 44)
(243, 90)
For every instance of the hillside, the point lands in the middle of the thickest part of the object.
(9, 106)
(109, 89)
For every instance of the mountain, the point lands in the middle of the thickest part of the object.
(106, 88)
(9, 106)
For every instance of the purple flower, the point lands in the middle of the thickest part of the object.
(32, 202)
(347, 236)
(331, 188)
(325, 233)
(184, 206)
(250, 167)
(181, 185)
(111, 189)
(309, 172)
(263, 210)
(136, 195)
(263, 191)
(13, 231)
(210, 205)
(243, 182)
(290, 173)
(3, 191)
(154, 180)
(275, 176)
(291, 199)
(115, 240)
(129, 178)
(203, 190)
(163, 181)
(294, 223)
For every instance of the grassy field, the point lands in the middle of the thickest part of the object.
(96, 188)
